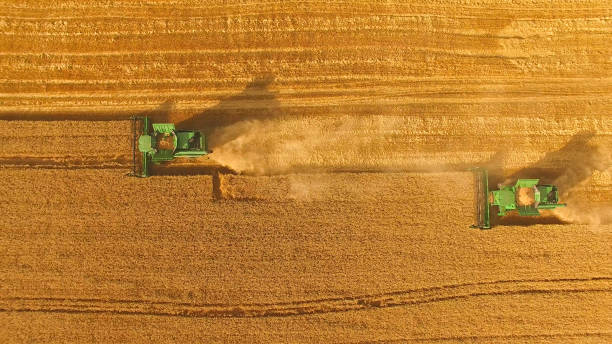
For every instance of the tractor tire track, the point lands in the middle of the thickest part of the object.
(319, 306)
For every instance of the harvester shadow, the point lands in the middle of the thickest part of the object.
(568, 160)
(161, 114)
(255, 102)
(565, 165)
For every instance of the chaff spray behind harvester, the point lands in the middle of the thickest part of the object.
(526, 196)
(154, 143)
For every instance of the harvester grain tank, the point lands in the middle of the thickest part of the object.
(526, 196)
(155, 143)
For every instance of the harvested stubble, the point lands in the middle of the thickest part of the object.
(334, 249)
(65, 144)
(90, 255)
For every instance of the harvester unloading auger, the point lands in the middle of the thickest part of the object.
(154, 143)
(526, 197)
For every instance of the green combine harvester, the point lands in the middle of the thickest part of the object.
(526, 197)
(155, 143)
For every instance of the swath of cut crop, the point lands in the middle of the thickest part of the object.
(65, 144)
(330, 305)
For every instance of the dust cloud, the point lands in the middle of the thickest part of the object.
(595, 159)
(310, 144)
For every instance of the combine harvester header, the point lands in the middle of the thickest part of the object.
(526, 197)
(160, 142)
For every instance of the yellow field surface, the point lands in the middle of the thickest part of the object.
(337, 201)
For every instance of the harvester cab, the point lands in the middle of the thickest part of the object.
(526, 197)
(154, 143)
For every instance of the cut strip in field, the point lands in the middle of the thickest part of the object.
(65, 144)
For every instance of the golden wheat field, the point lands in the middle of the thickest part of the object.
(336, 205)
